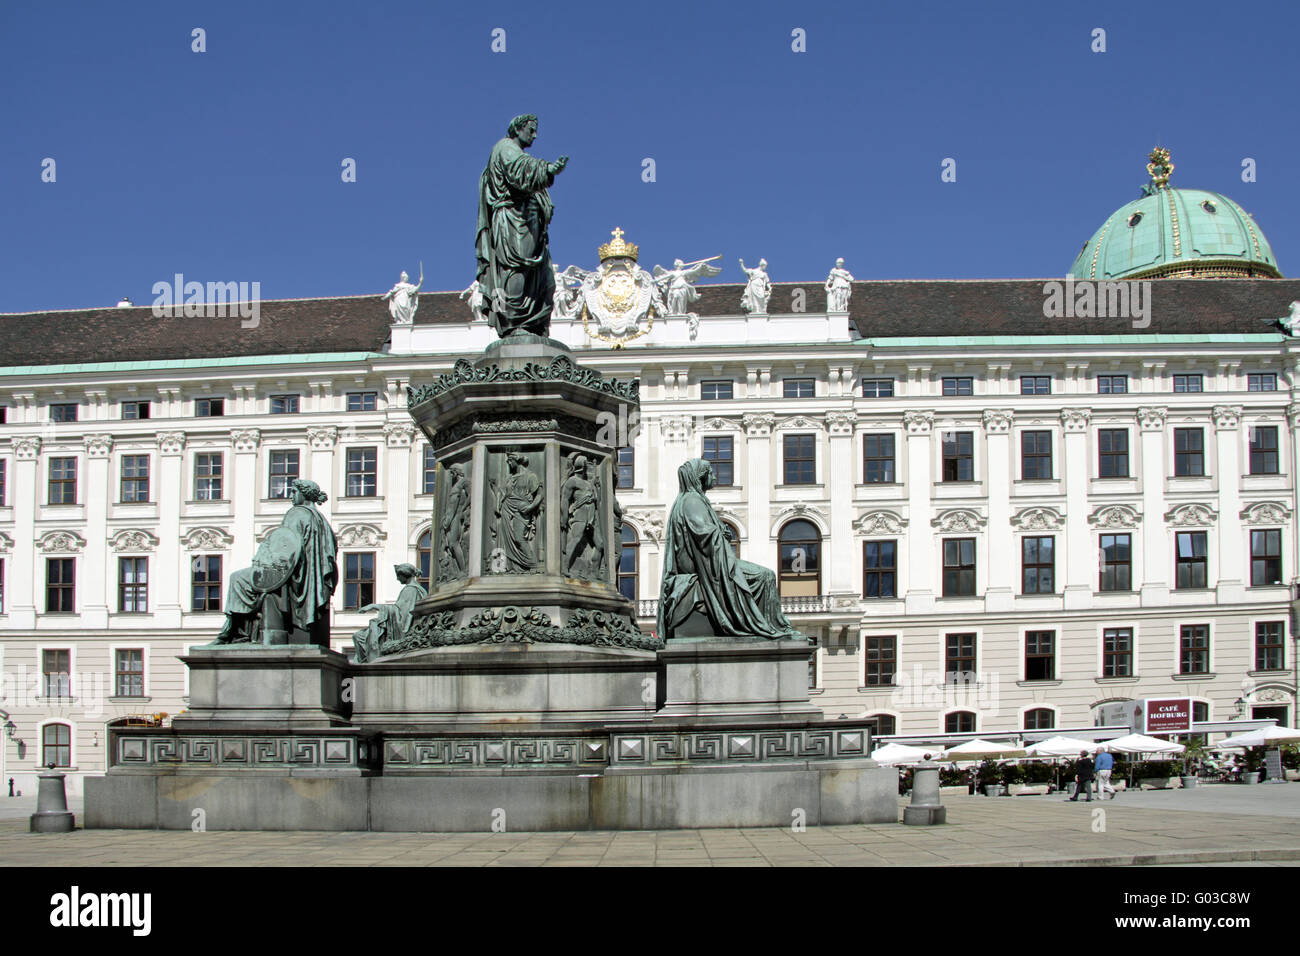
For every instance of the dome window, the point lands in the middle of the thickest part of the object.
(1134, 219)
(1209, 206)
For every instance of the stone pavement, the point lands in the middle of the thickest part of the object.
(1207, 825)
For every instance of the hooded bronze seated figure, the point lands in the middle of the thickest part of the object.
(737, 598)
(394, 620)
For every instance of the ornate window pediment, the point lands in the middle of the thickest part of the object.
(1039, 519)
(1115, 516)
(134, 539)
(879, 522)
(61, 542)
(360, 535)
(957, 520)
(800, 510)
(1266, 512)
(649, 523)
(207, 539)
(1191, 516)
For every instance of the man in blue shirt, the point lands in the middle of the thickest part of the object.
(1104, 764)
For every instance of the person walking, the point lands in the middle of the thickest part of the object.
(1083, 778)
(1104, 764)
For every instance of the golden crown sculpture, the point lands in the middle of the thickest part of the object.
(1160, 168)
(618, 249)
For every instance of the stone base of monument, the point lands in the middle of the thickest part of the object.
(711, 679)
(291, 685)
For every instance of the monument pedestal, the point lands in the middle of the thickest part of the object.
(293, 686)
(712, 679)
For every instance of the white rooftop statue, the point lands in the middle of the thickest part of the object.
(405, 299)
(676, 285)
(1291, 322)
(476, 300)
(838, 288)
(758, 290)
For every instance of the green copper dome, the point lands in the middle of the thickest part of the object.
(1179, 233)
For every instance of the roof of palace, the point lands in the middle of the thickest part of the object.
(878, 309)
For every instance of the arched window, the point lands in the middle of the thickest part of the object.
(627, 563)
(424, 558)
(800, 546)
(56, 745)
(959, 722)
(733, 537)
(1040, 718)
(882, 725)
(1200, 711)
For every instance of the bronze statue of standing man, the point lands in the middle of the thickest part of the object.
(514, 215)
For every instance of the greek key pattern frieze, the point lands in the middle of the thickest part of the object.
(231, 751)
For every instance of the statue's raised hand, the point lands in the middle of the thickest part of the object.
(559, 164)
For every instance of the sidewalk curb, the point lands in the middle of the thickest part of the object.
(1271, 854)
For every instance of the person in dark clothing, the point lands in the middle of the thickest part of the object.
(1083, 779)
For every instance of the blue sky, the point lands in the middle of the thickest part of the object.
(225, 165)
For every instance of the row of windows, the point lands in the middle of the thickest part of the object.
(964, 721)
(207, 407)
(128, 672)
(957, 385)
(1118, 652)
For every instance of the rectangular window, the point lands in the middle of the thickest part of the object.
(1263, 450)
(800, 460)
(882, 660)
(958, 385)
(209, 407)
(1038, 565)
(134, 410)
(958, 456)
(128, 672)
(284, 471)
(63, 481)
(877, 388)
(3, 463)
(205, 582)
(962, 722)
(363, 401)
(1261, 382)
(1112, 451)
(626, 467)
(1194, 649)
(1265, 557)
(1040, 655)
(1268, 645)
(208, 467)
(1035, 455)
(284, 404)
(56, 666)
(362, 472)
(1116, 562)
(133, 585)
(879, 569)
(1035, 385)
(135, 478)
(430, 469)
(358, 580)
(715, 391)
(958, 567)
(60, 585)
(1189, 452)
(878, 459)
(63, 412)
(1112, 384)
(1189, 383)
(798, 387)
(959, 656)
(1191, 565)
(1117, 652)
(718, 451)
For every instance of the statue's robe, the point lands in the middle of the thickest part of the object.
(392, 623)
(517, 510)
(514, 215)
(306, 595)
(739, 598)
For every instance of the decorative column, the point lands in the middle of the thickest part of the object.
(1080, 550)
(399, 436)
(245, 498)
(921, 573)
(1293, 420)
(1156, 550)
(166, 574)
(1003, 561)
(21, 605)
(1232, 559)
(758, 487)
(322, 440)
(93, 574)
(843, 566)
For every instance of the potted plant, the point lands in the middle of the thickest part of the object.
(1192, 758)
(1157, 774)
(1254, 760)
(990, 778)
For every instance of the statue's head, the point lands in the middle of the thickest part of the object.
(839, 263)
(677, 263)
(523, 128)
(406, 573)
(515, 460)
(457, 472)
(404, 275)
(762, 263)
(306, 490)
(695, 475)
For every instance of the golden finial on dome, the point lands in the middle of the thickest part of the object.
(618, 249)
(1159, 168)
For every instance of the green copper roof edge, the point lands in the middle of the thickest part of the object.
(224, 362)
(1157, 338)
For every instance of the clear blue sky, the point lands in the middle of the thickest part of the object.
(225, 165)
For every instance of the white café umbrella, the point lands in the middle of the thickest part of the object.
(1060, 747)
(1263, 737)
(1142, 744)
(978, 749)
(893, 755)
